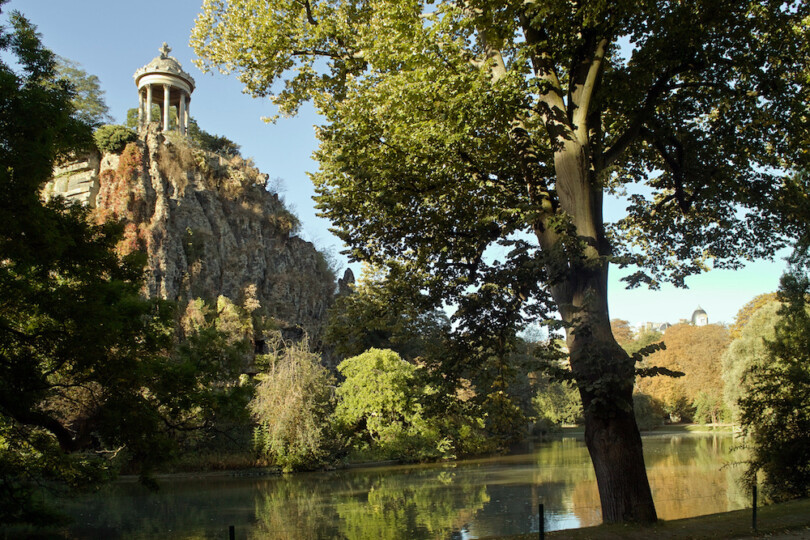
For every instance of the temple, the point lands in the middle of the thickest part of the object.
(163, 81)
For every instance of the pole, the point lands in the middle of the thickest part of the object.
(542, 520)
(232, 532)
(754, 509)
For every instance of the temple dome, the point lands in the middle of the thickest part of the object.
(700, 317)
(165, 65)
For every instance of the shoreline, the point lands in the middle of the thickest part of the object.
(576, 432)
(790, 519)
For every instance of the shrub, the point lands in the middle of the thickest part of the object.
(113, 138)
(648, 410)
(556, 404)
(292, 407)
(379, 408)
(211, 143)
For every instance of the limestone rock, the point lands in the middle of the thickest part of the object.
(208, 225)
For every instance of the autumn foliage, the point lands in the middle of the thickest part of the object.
(695, 351)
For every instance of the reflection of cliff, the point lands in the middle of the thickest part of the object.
(208, 225)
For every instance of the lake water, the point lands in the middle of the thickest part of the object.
(460, 500)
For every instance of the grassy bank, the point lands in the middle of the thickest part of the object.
(786, 520)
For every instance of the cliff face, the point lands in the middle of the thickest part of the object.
(208, 225)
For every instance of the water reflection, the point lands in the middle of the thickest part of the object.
(467, 499)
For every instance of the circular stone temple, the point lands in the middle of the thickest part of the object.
(163, 81)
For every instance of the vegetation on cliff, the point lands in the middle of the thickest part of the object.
(91, 375)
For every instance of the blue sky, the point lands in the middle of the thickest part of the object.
(113, 38)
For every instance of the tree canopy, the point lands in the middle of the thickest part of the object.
(88, 368)
(88, 99)
(775, 409)
(747, 349)
(469, 147)
(695, 351)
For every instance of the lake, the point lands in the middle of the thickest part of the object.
(458, 500)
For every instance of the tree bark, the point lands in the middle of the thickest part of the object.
(604, 372)
(614, 444)
(605, 376)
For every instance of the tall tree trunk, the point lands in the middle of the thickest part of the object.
(615, 447)
(605, 376)
(604, 372)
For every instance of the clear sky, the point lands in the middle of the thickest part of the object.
(113, 38)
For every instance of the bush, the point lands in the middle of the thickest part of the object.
(379, 408)
(113, 138)
(292, 407)
(212, 143)
(648, 410)
(556, 404)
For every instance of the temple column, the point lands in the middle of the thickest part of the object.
(166, 106)
(181, 114)
(148, 104)
(140, 109)
(188, 113)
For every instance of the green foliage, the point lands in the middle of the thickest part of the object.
(205, 372)
(745, 313)
(113, 138)
(469, 149)
(710, 408)
(90, 378)
(558, 403)
(775, 411)
(747, 350)
(132, 117)
(649, 411)
(199, 138)
(377, 315)
(88, 99)
(644, 339)
(58, 282)
(294, 399)
(379, 407)
(219, 144)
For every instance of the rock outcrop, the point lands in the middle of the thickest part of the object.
(208, 225)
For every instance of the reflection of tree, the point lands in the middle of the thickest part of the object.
(686, 474)
(688, 478)
(425, 504)
(566, 473)
(492, 496)
(296, 507)
(415, 503)
(179, 509)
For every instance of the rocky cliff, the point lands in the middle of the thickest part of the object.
(208, 224)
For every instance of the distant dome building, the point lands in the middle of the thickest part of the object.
(699, 317)
(163, 81)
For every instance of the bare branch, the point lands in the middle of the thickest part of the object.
(308, 9)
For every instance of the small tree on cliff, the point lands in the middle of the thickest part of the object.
(468, 146)
(88, 97)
